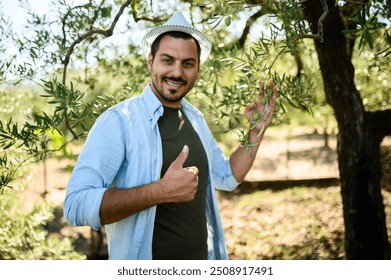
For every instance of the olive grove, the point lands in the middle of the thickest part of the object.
(324, 42)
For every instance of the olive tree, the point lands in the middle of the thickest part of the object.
(338, 29)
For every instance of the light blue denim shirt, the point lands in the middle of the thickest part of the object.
(124, 150)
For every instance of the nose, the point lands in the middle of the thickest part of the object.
(176, 70)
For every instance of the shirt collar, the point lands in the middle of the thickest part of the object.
(153, 106)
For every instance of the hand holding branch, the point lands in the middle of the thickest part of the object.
(260, 113)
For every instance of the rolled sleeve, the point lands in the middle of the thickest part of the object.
(97, 165)
(222, 176)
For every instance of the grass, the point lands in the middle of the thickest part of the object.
(297, 223)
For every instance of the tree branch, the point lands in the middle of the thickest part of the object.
(106, 33)
(64, 19)
(246, 29)
(265, 10)
(319, 35)
(379, 124)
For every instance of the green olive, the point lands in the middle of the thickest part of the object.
(263, 100)
(227, 21)
(255, 116)
(269, 92)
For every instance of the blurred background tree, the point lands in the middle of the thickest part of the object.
(81, 59)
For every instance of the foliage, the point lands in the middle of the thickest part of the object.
(273, 47)
(372, 75)
(23, 235)
(365, 22)
(240, 70)
(64, 116)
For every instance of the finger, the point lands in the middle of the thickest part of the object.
(275, 91)
(250, 108)
(262, 88)
(271, 84)
(274, 96)
(193, 169)
(180, 160)
(271, 93)
(262, 98)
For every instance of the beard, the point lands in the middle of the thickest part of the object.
(170, 95)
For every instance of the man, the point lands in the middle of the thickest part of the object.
(150, 165)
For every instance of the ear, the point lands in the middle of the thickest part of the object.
(149, 62)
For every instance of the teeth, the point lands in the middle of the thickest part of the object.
(171, 83)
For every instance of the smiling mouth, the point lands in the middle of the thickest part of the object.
(174, 83)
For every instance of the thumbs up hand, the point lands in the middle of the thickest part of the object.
(179, 183)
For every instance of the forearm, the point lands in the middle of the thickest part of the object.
(243, 157)
(259, 115)
(177, 185)
(118, 204)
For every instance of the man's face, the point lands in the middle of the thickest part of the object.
(174, 69)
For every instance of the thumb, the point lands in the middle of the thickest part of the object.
(180, 160)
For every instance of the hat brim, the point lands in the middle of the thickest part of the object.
(204, 42)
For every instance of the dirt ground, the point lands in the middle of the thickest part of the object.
(299, 155)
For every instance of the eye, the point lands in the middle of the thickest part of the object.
(167, 60)
(188, 64)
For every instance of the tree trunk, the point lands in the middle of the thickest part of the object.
(358, 149)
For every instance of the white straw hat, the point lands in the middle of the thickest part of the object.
(178, 23)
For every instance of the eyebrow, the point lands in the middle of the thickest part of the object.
(171, 57)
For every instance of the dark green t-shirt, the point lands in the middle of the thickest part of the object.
(180, 228)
